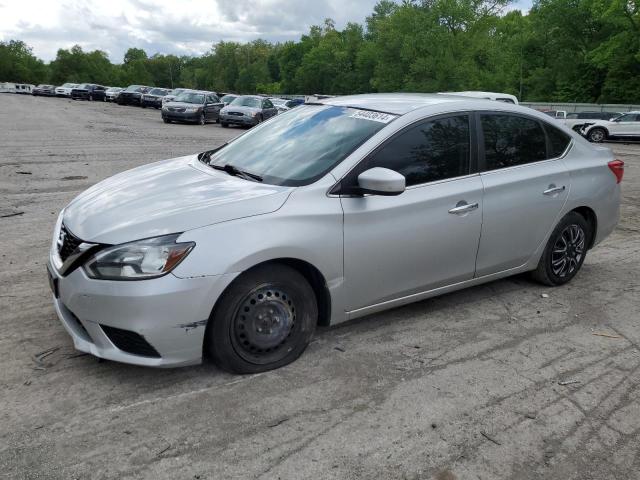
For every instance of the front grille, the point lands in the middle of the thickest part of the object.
(177, 109)
(67, 243)
(238, 114)
(130, 342)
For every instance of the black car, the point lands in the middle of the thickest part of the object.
(153, 98)
(44, 90)
(132, 95)
(194, 107)
(88, 91)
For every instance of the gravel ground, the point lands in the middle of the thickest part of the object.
(468, 385)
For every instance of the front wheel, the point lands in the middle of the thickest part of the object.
(565, 251)
(224, 124)
(202, 119)
(264, 320)
(597, 135)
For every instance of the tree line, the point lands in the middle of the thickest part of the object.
(561, 50)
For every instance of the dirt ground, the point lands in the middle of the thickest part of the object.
(470, 385)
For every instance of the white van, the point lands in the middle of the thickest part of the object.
(6, 87)
(24, 88)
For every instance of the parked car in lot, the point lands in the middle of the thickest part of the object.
(153, 98)
(44, 91)
(280, 104)
(626, 125)
(111, 93)
(88, 91)
(65, 89)
(294, 102)
(328, 213)
(192, 107)
(170, 97)
(576, 120)
(498, 97)
(132, 95)
(247, 110)
(227, 99)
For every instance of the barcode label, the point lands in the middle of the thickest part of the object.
(373, 116)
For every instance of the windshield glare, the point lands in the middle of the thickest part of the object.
(299, 146)
(189, 97)
(246, 102)
(133, 88)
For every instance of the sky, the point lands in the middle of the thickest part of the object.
(182, 27)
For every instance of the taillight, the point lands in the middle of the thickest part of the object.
(617, 167)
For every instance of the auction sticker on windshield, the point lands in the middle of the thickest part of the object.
(374, 116)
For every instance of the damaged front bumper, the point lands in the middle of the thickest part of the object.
(157, 323)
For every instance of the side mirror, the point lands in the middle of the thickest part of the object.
(381, 181)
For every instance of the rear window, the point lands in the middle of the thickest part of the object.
(512, 140)
(558, 140)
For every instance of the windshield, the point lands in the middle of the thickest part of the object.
(228, 98)
(158, 91)
(133, 88)
(69, 85)
(246, 102)
(301, 145)
(84, 86)
(190, 97)
(114, 89)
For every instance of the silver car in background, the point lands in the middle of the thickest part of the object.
(329, 212)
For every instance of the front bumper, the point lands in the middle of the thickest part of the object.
(238, 120)
(181, 116)
(151, 103)
(169, 313)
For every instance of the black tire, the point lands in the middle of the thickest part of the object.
(166, 120)
(264, 320)
(573, 233)
(597, 135)
(224, 124)
(202, 120)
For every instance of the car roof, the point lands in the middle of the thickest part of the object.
(402, 103)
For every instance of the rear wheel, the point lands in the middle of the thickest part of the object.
(565, 251)
(263, 321)
(597, 135)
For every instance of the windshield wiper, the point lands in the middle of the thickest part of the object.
(236, 172)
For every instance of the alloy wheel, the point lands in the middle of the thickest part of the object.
(568, 251)
(596, 135)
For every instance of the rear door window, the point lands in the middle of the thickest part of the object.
(512, 140)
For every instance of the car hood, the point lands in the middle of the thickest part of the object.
(166, 197)
(246, 110)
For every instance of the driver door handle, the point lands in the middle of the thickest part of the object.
(552, 190)
(463, 208)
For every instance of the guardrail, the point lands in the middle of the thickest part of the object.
(582, 107)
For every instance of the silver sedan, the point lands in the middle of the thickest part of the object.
(328, 212)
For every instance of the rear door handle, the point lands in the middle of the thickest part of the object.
(463, 207)
(552, 190)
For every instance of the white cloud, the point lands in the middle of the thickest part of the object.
(166, 26)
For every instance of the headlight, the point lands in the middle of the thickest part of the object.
(191, 109)
(149, 258)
